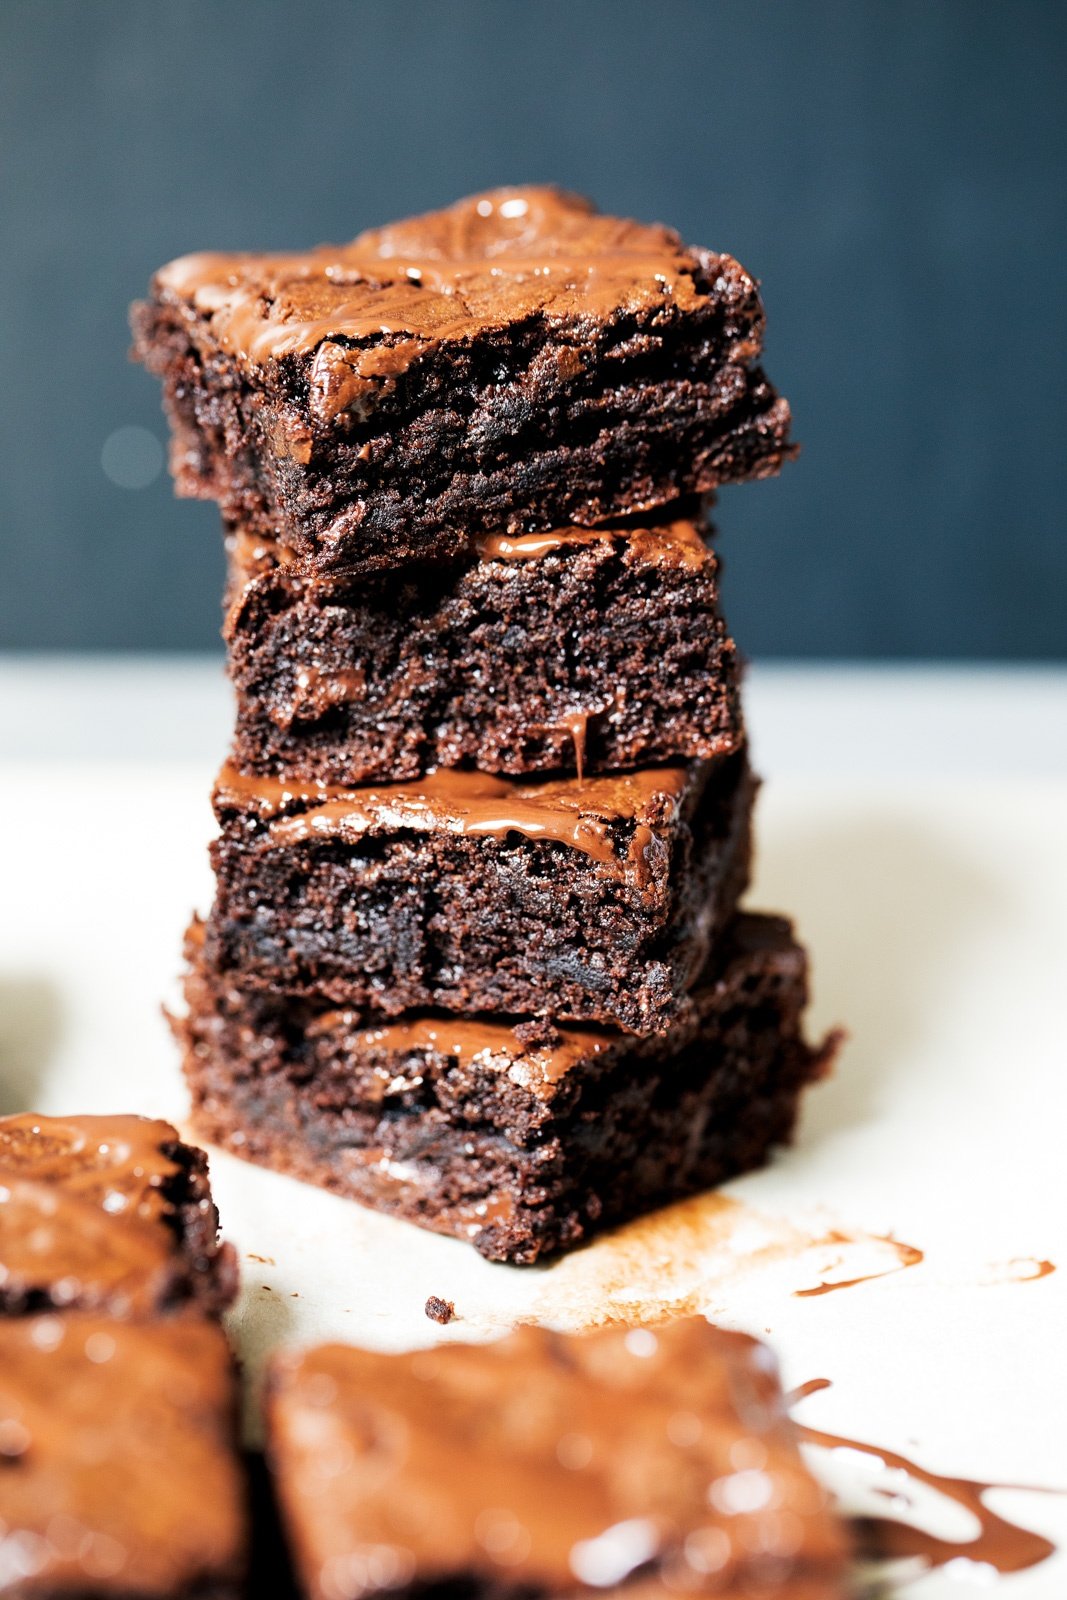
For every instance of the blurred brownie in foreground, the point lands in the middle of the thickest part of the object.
(514, 362)
(592, 901)
(577, 650)
(642, 1463)
(119, 1473)
(523, 1138)
(109, 1213)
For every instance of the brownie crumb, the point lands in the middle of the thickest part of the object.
(438, 1310)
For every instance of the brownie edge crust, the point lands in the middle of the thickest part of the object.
(524, 1138)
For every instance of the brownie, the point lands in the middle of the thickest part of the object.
(639, 1462)
(591, 901)
(516, 361)
(109, 1214)
(118, 1467)
(524, 1137)
(578, 650)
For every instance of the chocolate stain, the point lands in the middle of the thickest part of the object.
(1020, 1269)
(683, 1259)
(907, 1256)
(999, 1543)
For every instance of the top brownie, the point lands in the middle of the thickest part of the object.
(514, 362)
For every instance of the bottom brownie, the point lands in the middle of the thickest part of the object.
(522, 1137)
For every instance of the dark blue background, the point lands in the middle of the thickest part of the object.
(893, 172)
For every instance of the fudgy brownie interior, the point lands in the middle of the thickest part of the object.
(593, 901)
(581, 650)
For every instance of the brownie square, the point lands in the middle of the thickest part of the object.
(592, 901)
(118, 1467)
(578, 650)
(642, 1462)
(107, 1213)
(514, 361)
(522, 1137)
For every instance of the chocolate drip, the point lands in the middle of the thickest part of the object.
(908, 1255)
(577, 725)
(999, 1543)
(1021, 1269)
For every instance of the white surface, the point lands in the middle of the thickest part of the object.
(913, 822)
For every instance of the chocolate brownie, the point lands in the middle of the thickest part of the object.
(594, 901)
(523, 1137)
(576, 650)
(643, 1463)
(107, 1213)
(118, 1467)
(516, 361)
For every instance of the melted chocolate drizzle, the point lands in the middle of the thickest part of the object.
(672, 544)
(576, 813)
(999, 1543)
(488, 261)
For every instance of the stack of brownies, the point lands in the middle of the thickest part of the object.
(475, 956)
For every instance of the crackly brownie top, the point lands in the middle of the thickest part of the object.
(116, 1465)
(84, 1213)
(485, 263)
(654, 1461)
(580, 813)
